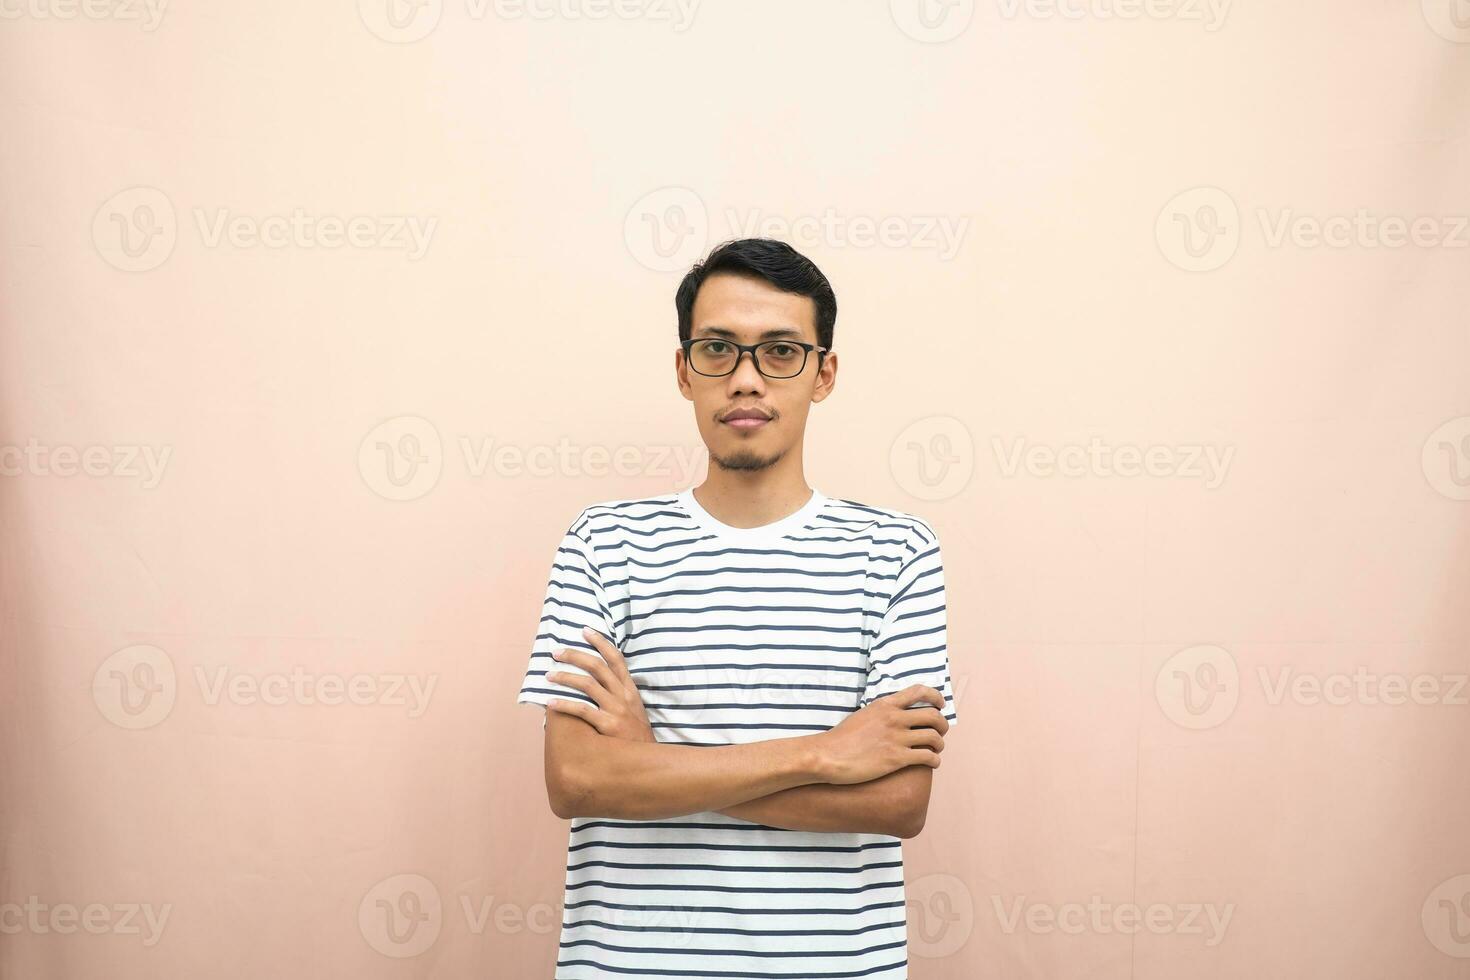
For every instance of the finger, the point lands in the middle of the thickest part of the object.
(610, 652)
(581, 709)
(928, 718)
(586, 685)
(920, 738)
(923, 757)
(591, 663)
(916, 693)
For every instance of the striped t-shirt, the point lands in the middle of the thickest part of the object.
(738, 635)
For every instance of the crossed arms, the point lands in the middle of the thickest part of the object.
(871, 773)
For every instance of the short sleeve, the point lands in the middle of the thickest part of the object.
(911, 645)
(574, 598)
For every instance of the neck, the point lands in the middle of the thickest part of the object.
(742, 498)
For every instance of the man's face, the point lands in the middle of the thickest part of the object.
(746, 310)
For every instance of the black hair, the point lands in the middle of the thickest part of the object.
(763, 258)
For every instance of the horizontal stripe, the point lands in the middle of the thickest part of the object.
(711, 846)
(784, 869)
(874, 907)
(696, 930)
(735, 889)
(717, 706)
(734, 951)
(762, 975)
(727, 823)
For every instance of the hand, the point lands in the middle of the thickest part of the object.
(885, 736)
(619, 712)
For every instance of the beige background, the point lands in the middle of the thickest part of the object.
(1215, 721)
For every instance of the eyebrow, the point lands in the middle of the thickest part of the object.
(774, 333)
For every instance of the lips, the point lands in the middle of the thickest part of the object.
(746, 418)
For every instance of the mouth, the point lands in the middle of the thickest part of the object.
(746, 419)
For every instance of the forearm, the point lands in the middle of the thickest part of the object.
(895, 804)
(602, 776)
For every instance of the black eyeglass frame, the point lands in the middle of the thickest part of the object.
(755, 358)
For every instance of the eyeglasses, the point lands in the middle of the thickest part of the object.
(715, 358)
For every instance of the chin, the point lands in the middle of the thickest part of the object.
(744, 460)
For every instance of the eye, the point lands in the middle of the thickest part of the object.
(715, 347)
(783, 350)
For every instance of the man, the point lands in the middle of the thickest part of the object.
(753, 718)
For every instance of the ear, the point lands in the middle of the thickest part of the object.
(681, 375)
(826, 377)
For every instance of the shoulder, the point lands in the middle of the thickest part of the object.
(911, 530)
(618, 518)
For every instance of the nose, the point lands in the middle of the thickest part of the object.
(745, 377)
